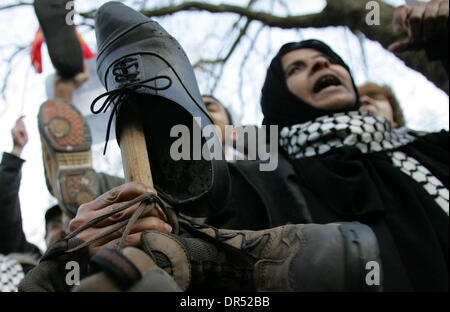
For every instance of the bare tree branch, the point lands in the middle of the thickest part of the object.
(241, 71)
(221, 61)
(266, 18)
(10, 60)
(7, 75)
(349, 13)
(230, 52)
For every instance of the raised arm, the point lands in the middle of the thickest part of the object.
(427, 26)
(12, 236)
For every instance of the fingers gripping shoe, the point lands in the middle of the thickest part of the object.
(308, 257)
(66, 143)
(143, 67)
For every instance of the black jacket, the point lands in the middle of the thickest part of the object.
(412, 230)
(12, 237)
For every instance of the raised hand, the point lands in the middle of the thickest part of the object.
(426, 22)
(108, 202)
(20, 136)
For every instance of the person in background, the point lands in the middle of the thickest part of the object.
(381, 101)
(338, 163)
(12, 236)
(17, 255)
(222, 118)
(54, 229)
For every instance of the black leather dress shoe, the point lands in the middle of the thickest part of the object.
(144, 68)
(63, 45)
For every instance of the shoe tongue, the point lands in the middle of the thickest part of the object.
(114, 18)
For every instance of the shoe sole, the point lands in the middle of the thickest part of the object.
(64, 128)
(66, 142)
(76, 187)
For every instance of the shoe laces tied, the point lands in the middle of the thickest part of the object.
(116, 96)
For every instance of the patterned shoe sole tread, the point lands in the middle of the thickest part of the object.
(77, 187)
(63, 127)
(74, 160)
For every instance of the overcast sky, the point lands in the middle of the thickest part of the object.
(426, 108)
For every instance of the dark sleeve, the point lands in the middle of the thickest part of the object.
(244, 210)
(438, 51)
(262, 199)
(107, 182)
(12, 237)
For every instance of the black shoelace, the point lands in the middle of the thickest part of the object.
(119, 95)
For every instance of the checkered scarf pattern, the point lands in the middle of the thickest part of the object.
(11, 274)
(368, 133)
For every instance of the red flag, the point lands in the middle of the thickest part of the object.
(86, 51)
(36, 55)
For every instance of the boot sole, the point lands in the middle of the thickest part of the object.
(66, 142)
(76, 187)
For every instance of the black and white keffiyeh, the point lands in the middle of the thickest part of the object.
(368, 133)
(11, 274)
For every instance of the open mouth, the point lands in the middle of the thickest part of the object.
(325, 82)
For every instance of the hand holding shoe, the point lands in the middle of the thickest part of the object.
(109, 201)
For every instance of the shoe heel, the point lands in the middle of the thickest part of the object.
(63, 127)
(76, 187)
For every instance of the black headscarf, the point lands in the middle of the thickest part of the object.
(280, 106)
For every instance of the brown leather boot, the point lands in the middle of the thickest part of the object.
(304, 257)
(309, 257)
(129, 270)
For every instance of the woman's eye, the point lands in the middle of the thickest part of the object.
(294, 70)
